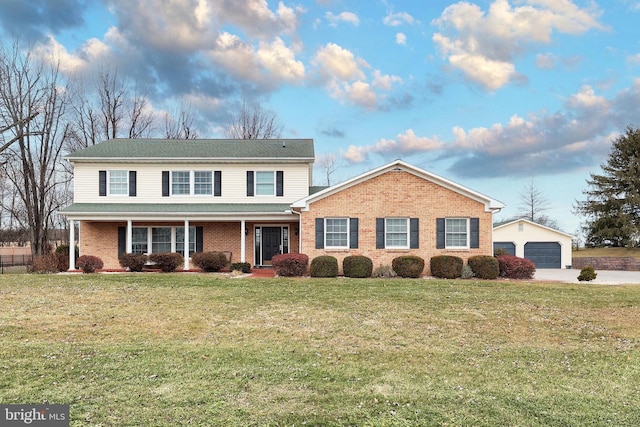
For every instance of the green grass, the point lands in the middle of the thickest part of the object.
(195, 349)
(606, 252)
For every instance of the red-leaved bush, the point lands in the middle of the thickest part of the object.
(513, 267)
(289, 265)
(89, 263)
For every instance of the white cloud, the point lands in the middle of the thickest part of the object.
(397, 19)
(401, 38)
(335, 62)
(574, 139)
(384, 81)
(271, 63)
(280, 61)
(484, 45)
(406, 143)
(347, 17)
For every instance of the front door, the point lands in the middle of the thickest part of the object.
(271, 243)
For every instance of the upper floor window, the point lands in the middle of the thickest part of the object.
(189, 183)
(202, 182)
(265, 183)
(180, 183)
(118, 183)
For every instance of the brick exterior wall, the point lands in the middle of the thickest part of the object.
(607, 263)
(396, 194)
(101, 239)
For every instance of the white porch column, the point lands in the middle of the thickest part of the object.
(72, 245)
(129, 244)
(186, 244)
(243, 240)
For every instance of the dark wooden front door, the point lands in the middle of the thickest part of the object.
(271, 243)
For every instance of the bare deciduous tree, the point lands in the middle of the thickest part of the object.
(328, 163)
(253, 121)
(107, 110)
(180, 125)
(534, 205)
(29, 86)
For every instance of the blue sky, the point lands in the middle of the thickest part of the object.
(490, 94)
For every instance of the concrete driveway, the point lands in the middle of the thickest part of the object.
(604, 277)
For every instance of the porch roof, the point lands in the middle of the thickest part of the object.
(198, 209)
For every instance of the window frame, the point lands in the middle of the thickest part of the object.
(256, 183)
(192, 183)
(346, 232)
(407, 233)
(448, 232)
(150, 241)
(125, 184)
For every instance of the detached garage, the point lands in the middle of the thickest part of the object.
(546, 247)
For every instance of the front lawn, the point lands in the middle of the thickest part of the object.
(195, 349)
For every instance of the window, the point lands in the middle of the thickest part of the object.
(265, 183)
(396, 232)
(139, 244)
(160, 239)
(180, 240)
(336, 233)
(186, 183)
(118, 183)
(180, 183)
(202, 184)
(456, 233)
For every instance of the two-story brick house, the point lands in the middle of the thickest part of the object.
(254, 199)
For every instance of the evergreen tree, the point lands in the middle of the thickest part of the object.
(612, 205)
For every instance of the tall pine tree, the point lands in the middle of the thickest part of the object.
(612, 205)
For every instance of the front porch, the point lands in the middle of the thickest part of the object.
(255, 242)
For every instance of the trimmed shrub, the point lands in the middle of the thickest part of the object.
(324, 266)
(513, 267)
(167, 261)
(467, 272)
(47, 263)
(408, 266)
(446, 266)
(89, 263)
(244, 267)
(289, 265)
(209, 261)
(358, 266)
(484, 266)
(133, 262)
(500, 251)
(62, 257)
(587, 274)
(384, 272)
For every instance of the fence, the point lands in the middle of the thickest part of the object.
(14, 260)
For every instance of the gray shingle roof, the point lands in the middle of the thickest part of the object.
(197, 149)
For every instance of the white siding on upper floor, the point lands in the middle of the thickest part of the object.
(149, 183)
